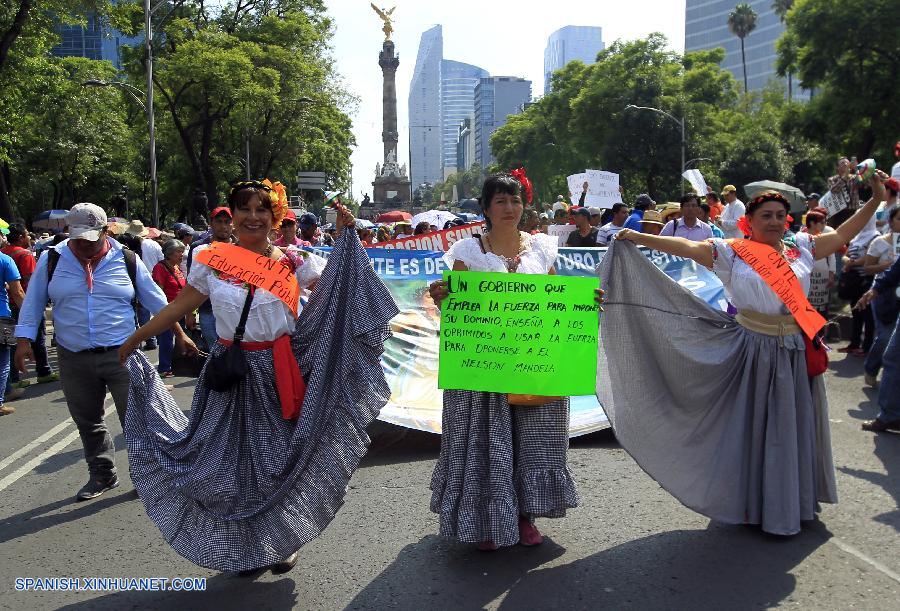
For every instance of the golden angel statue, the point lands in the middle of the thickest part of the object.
(386, 17)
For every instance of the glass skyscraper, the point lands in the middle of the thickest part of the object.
(706, 27)
(496, 97)
(458, 81)
(425, 129)
(95, 40)
(570, 43)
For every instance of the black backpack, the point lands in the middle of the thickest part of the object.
(130, 267)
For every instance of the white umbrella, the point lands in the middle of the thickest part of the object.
(438, 218)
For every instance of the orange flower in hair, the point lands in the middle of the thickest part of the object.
(279, 201)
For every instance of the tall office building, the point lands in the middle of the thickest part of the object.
(425, 129)
(706, 27)
(94, 40)
(458, 81)
(496, 97)
(570, 43)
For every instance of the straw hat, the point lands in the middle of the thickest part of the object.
(136, 228)
(669, 211)
(652, 217)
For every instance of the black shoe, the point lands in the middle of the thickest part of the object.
(95, 487)
(285, 565)
(150, 345)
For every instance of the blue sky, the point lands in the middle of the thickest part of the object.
(503, 37)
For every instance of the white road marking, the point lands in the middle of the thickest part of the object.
(24, 450)
(51, 451)
(855, 552)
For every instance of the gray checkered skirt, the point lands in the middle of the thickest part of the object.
(234, 486)
(724, 418)
(498, 463)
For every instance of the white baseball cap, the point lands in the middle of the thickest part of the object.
(86, 222)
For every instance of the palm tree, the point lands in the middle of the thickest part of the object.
(781, 7)
(742, 21)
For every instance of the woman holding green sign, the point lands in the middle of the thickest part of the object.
(728, 414)
(501, 466)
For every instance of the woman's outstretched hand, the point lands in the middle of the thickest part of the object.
(629, 234)
(345, 218)
(127, 349)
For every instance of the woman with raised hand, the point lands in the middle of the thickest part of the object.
(261, 464)
(721, 411)
(501, 466)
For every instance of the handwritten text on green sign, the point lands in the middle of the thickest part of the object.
(519, 333)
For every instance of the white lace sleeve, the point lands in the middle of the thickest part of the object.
(806, 243)
(199, 276)
(548, 247)
(723, 259)
(466, 250)
(310, 269)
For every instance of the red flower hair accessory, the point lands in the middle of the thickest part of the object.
(744, 225)
(519, 174)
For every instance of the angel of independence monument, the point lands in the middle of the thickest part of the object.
(391, 185)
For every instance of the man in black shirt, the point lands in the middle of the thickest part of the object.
(584, 235)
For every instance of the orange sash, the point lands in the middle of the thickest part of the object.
(777, 272)
(259, 270)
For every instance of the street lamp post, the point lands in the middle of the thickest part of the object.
(680, 123)
(148, 41)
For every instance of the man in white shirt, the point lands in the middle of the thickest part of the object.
(688, 226)
(151, 254)
(734, 210)
(617, 224)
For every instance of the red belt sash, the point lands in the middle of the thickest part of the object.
(288, 381)
(777, 272)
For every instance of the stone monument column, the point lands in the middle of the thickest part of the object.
(388, 61)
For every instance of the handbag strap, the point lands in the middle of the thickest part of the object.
(239, 330)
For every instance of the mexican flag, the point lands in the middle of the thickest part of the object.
(332, 198)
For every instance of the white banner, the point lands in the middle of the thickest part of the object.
(697, 181)
(603, 188)
(834, 202)
(561, 232)
(576, 186)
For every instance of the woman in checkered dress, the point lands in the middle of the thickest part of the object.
(256, 471)
(501, 466)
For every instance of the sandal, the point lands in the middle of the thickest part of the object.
(166, 374)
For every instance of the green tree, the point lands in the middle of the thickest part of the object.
(850, 54)
(26, 37)
(258, 71)
(781, 8)
(742, 21)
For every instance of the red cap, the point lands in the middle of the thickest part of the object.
(893, 184)
(290, 215)
(217, 211)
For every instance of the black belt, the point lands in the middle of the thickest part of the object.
(99, 349)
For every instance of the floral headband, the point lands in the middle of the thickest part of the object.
(277, 196)
(519, 174)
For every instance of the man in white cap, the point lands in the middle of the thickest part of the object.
(93, 283)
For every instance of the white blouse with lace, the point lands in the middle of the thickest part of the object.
(537, 258)
(746, 290)
(269, 317)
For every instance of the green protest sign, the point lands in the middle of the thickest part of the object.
(519, 333)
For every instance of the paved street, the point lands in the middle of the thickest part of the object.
(630, 545)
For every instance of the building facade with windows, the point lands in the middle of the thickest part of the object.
(496, 97)
(94, 40)
(706, 27)
(425, 128)
(568, 44)
(458, 81)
